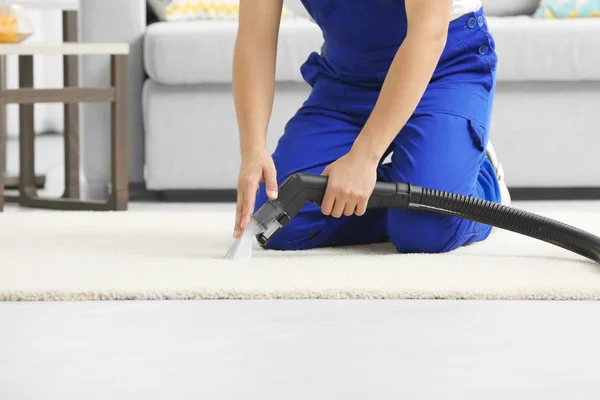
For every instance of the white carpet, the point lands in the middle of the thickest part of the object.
(179, 255)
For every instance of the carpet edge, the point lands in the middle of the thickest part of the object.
(356, 294)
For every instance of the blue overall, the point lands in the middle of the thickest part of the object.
(441, 147)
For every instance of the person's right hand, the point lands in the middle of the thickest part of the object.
(257, 167)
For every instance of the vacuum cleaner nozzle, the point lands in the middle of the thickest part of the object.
(272, 217)
(264, 223)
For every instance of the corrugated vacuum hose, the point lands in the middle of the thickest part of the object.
(512, 219)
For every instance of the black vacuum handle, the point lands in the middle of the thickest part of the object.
(313, 187)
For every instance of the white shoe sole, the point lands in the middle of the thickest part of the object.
(505, 198)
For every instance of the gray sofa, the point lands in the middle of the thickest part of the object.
(545, 124)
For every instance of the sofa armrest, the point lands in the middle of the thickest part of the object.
(111, 21)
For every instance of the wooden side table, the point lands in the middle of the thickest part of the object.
(26, 96)
(69, 10)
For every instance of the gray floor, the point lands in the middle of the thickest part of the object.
(295, 350)
(300, 350)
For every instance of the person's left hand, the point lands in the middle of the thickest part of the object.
(351, 181)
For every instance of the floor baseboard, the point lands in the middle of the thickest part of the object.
(200, 196)
(566, 193)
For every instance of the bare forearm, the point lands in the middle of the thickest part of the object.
(254, 70)
(253, 89)
(401, 93)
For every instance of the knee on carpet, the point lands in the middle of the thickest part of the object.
(418, 232)
(289, 239)
(302, 232)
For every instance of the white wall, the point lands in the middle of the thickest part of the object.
(48, 73)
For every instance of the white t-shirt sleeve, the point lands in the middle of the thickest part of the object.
(462, 7)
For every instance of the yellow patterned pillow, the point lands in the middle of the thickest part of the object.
(187, 10)
(561, 9)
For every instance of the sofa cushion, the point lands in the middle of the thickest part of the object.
(503, 8)
(532, 49)
(180, 53)
(198, 147)
(529, 49)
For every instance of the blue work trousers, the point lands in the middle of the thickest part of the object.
(441, 147)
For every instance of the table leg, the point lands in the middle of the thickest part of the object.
(12, 181)
(27, 181)
(2, 130)
(119, 135)
(71, 111)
